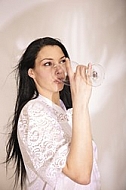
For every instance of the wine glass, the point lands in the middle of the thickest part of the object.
(97, 74)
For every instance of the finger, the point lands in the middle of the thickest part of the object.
(69, 68)
(89, 73)
(89, 69)
(81, 70)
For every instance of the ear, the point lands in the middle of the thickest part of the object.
(31, 73)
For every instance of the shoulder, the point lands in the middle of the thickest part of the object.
(37, 103)
(70, 111)
(34, 107)
(69, 116)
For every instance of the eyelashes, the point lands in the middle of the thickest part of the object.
(51, 63)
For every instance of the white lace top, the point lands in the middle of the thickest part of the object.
(44, 135)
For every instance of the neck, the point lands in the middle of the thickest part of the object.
(56, 99)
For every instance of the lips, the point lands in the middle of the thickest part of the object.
(59, 80)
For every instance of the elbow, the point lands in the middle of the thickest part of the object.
(82, 179)
(79, 176)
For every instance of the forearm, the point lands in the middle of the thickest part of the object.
(79, 160)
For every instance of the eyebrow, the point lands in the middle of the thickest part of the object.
(48, 58)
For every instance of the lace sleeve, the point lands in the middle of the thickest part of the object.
(44, 140)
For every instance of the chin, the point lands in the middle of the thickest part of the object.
(60, 87)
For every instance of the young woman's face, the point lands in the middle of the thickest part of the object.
(49, 69)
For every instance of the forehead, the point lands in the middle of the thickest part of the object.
(50, 51)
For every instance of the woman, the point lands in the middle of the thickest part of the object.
(52, 147)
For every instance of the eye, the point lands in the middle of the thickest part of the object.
(49, 63)
(63, 61)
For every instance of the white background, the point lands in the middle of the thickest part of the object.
(92, 31)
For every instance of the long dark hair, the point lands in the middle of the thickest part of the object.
(26, 90)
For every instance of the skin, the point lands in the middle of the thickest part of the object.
(80, 158)
(45, 75)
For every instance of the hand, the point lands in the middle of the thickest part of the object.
(79, 81)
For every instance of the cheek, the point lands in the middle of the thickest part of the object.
(42, 77)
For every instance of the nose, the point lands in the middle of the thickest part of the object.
(58, 68)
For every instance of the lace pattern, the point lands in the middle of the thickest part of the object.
(45, 137)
